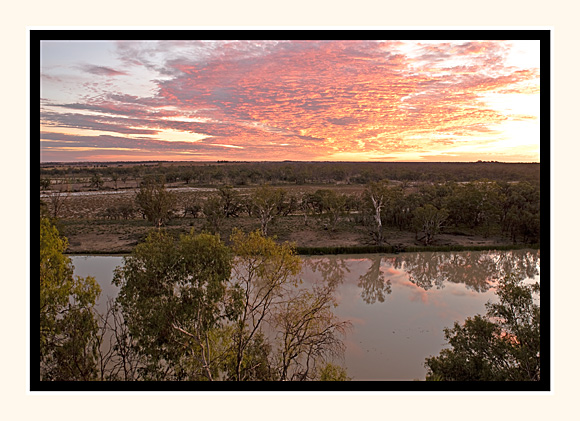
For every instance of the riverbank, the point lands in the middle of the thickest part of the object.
(118, 237)
(320, 251)
(315, 251)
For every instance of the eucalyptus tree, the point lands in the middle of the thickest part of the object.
(334, 206)
(309, 334)
(58, 201)
(294, 323)
(214, 212)
(231, 201)
(175, 301)
(264, 272)
(475, 204)
(327, 204)
(307, 205)
(520, 215)
(267, 202)
(332, 373)
(97, 181)
(429, 220)
(502, 345)
(115, 179)
(191, 205)
(68, 324)
(155, 202)
(376, 198)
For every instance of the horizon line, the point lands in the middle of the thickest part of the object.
(220, 161)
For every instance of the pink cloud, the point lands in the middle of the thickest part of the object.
(317, 96)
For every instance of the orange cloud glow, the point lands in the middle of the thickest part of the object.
(299, 100)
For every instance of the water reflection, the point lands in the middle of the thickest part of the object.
(398, 304)
(327, 270)
(477, 270)
(333, 270)
(373, 284)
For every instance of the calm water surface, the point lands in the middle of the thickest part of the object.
(398, 305)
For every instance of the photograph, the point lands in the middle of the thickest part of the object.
(290, 210)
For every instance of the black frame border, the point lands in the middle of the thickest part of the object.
(543, 35)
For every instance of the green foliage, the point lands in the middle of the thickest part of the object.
(255, 363)
(315, 201)
(328, 204)
(214, 213)
(399, 212)
(174, 299)
(115, 179)
(521, 211)
(97, 181)
(187, 175)
(308, 331)
(191, 205)
(44, 211)
(333, 373)
(263, 273)
(267, 204)
(305, 328)
(68, 327)
(230, 201)
(503, 345)
(156, 203)
(226, 203)
(476, 205)
(489, 199)
(428, 220)
(187, 309)
(314, 251)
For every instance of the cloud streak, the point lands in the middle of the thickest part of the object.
(102, 71)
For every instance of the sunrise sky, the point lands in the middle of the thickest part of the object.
(290, 100)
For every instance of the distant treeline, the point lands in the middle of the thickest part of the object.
(299, 173)
(490, 208)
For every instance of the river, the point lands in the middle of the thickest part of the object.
(398, 304)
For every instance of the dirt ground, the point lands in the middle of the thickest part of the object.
(118, 237)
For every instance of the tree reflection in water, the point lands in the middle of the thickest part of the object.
(477, 270)
(331, 269)
(373, 284)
